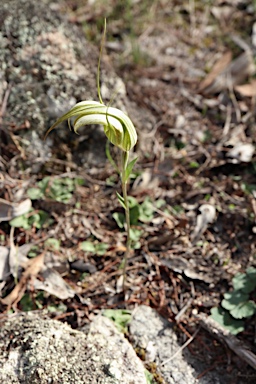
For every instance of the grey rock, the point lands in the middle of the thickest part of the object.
(39, 58)
(153, 333)
(49, 66)
(35, 350)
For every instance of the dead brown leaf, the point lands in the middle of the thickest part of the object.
(247, 90)
(54, 284)
(32, 269)
(10, 210)
(218, 67)
(233, 74)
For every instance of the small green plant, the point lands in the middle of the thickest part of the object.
(121, 318)
(248, 188)
(27, 303)
(37, 219)
(139, 213)
(119, 130)
(52, 244)
(149, 377)
(194, 164)
(237, 304)
(96, 248)
(60, 189)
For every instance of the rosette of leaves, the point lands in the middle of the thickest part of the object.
(238, 304)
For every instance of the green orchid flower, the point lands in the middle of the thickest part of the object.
(118, 127)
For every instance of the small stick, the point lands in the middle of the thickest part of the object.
(181, 348)
(183, 310)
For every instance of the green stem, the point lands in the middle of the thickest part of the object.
(101, 51)
(125, 158)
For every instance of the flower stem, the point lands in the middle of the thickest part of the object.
(125, 158)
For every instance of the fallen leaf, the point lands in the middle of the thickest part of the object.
(241, 153)
(4, 265)
(218, 67)
(207, 215)
(247, 90)
(32, 269)
(54, 284)
(34, 266)
(16, 257)
(234, 74)
(10, 210)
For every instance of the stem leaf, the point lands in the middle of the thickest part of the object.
(121, 200)
(129, 168)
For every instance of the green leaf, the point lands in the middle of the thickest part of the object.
(39, 220)
(177, 209)
(61, 190)
(100, 248)
(251, 272)
(97, 248)
(28, 304)
(146, 211)
(79, 181)
(245, 309)
(111, 181)
(245, 282)
(121, 200)
(20, 222)
(35, 193)
(233, 299)
(62, 308)
(58, 189)
(194, 164)
(43, 184)
(135, 235)
(134, 214)
(132, 201)
(129, 168)
(120, 317)
(149, 377)
(52, 243)
(160, 203)
(33, 251)
(119, 218)
(223, 318)
(87, 246)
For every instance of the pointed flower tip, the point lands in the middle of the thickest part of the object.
(118, 127)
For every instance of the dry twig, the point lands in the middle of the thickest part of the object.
(225, 337)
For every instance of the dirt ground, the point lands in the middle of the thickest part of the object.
(188, 67)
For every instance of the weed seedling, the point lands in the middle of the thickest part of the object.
(238, 304)
(119, 130)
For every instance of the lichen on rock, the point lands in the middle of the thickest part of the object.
(49, 66)
(36, 350)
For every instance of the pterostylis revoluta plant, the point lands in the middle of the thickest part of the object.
(119, 130)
